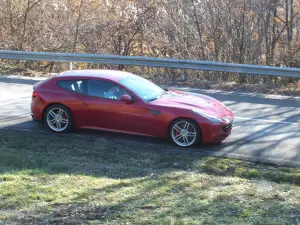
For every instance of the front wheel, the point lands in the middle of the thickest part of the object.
(58, 118)
(184, 133)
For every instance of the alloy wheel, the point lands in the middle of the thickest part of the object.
(184, 133)
(57, 119)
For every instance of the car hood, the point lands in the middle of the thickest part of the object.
(193, 101)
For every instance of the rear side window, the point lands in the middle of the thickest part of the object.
(72, 85)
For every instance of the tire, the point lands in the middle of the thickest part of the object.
(58, 114)
(190, 136)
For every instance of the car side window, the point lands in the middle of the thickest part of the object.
(72, 85)
(105, 89)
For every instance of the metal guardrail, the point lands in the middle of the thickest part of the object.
(152, 62)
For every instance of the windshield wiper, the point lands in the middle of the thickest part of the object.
(159, 96)
(164, 93)
(152, 99)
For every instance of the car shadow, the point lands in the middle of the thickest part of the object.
(96, 135)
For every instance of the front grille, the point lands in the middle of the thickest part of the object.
(227, 128)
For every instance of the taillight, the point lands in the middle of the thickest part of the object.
(34, 94)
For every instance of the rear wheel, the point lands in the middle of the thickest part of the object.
(58, 118)
(184, 133)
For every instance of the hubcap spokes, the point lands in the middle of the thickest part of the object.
(184, 133)
(57, 119)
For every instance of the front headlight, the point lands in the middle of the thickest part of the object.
(227, 119)
(209, 117)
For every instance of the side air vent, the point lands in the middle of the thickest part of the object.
(154, 112)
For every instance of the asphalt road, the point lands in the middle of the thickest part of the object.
(266, 129)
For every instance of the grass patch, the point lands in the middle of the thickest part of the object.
(245, 169)
(50, 180)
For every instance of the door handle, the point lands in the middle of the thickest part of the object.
(84, 104)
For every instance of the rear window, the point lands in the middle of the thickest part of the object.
(41, 83)
(72, 85)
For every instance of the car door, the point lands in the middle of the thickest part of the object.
(108, 111)
(74, 96)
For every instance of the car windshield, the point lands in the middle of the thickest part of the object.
(142, 87)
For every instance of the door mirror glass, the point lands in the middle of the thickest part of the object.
(127, 99)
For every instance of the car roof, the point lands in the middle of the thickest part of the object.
(115, 75)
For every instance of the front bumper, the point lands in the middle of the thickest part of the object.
(216, 133)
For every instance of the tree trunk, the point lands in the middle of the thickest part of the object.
(24, 26)
(77, 26)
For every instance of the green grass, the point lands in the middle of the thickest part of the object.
(50, 180)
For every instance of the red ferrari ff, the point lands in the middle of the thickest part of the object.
(123, 102)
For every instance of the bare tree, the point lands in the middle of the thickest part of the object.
(239, 31)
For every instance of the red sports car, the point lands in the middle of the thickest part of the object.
(123, 102)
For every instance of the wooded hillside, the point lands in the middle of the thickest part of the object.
(265, 32)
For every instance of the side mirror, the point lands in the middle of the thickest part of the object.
(127, 99)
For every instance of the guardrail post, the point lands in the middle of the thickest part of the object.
(182, 74)
(71, 66)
